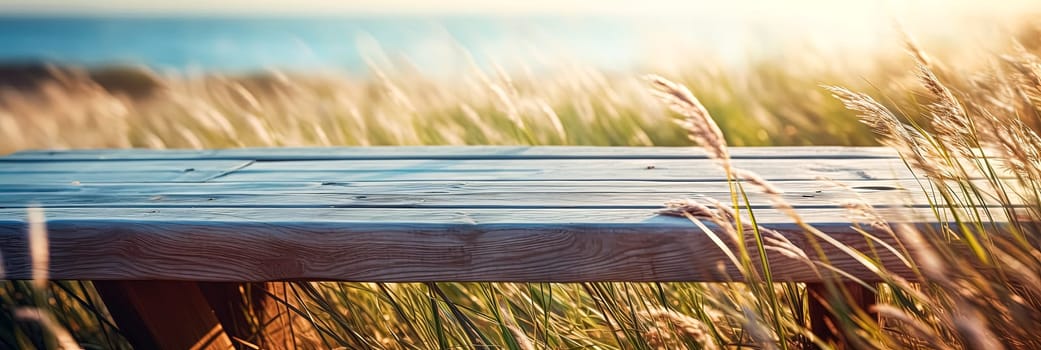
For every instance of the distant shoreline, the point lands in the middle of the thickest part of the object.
(434, 44)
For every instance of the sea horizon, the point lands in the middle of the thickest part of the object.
(308, 43)
(436, 44)
(353, 43)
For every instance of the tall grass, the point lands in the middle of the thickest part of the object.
(761, 104)
(967, 129)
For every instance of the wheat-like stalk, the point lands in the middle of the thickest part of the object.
(908, 142)
(700, 126)
(47, 321)
(38, 247)
(670, 323)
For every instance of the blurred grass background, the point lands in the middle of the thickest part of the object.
(775, 100)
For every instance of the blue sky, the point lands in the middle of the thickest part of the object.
(745, 7)
(349, 6)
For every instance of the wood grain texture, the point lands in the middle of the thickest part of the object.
(396, 246)
(820, 199)
(655, 192)
(400, 214)
(432, 171)
(18, 173)
(14, 218)
(110, 166)
(528, 200)
(439, 187)
(561, 170)
(12, 172)
(454, 153)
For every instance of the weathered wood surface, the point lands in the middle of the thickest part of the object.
(445, 170)
(454, 153)
(426, 214)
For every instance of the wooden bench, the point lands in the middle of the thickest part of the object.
(170, 236)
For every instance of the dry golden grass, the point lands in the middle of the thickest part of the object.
(976, 283)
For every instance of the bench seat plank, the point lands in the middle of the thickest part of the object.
(23, 173)
(818, 188)
(424, 214)
(434, 187)
(399, 245)
(388, 245)
(563, 170)
(456, 153)
(803, 199)
(440, 170)
(118, 166)
(206, 226)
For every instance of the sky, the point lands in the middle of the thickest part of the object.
(649, 7)
(718, 26)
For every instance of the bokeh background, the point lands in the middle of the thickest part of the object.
(193, 74)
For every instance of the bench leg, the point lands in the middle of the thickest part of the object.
(239, 307)
(824, 323)
(162, 314)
